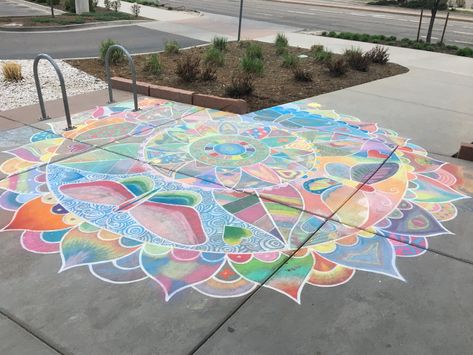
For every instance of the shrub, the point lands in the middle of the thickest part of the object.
(252, 65)
(135, 9)
(214, 56)
(220, 43)
(290, 60)
(242, 85)
(12, 71)
(378, 55)
(465, 52)
(356, 59)
(208, 73)
(337, 67)
(70, 5)
(332, 34)
(116, 55)
(451, 47)
(188, 68)
(301, 74)
(320, 54)
(106, 3)
(254, 50)
(153, 65)
(116, 4)
(281, 43)
(171, 47)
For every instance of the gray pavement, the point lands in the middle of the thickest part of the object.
(85, 43)
(12, 8)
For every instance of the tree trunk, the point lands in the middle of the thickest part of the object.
(433, 14)
(52, 7)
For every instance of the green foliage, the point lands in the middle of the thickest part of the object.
(319, 53)
(70, 5)
(356, 59)
(214, 56)
(188, 68)
(254, 51)
(337, 67)
(171, 47)
(220, 43)
(252, 65)
(281, 43)
(301, 74)
(116, 55)
(242, 85)
(153, 65)
(465, 52)
(378, 55)
(290, 60)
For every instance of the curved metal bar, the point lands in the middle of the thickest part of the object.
(133, 73)
(63, 89)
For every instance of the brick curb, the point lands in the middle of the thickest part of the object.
(185, 96)
(466, 152)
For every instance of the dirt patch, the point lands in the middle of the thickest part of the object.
(276, 86)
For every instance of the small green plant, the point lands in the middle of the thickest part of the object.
(290, 60)
(301, 74)
(171, 47)
(281, 43)
(254, 51)
(252, 65)
(12, 71)
(356, 59)
(116, 54)
(188, 68)
(465, 52)
(214, 56)
(337, 67)
(242, 85)
(378, 55)
(208, 73)
(220, 43)
(320, 54)
(153, 65)
(136, 9)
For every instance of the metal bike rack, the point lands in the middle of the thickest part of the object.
(44, 116)
(133, 73)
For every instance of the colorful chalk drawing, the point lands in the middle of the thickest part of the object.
(216, 202)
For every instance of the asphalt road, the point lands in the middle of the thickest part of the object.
(79, 44)
(332, 19)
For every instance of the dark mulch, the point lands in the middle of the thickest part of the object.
(276, 86)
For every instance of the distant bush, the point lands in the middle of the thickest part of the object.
(254, 50)
(252, 65)
(290, 60)
(116, 5)
(135, 9)
(171, 47)
(116, 55)
(214, 56)
(301, 74)
(378, 55)
(70, 5)
(188, 68)
(337, 67)
(153, 65)
(465, 52)
(242, 85)
(220, 43)
(106, 3)
(12, 71)
(281, 43)
(356, 59)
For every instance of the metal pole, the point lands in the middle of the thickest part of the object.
(445, 27)
(420, 23)
(63, 89)
(239, 20)
(133, 74)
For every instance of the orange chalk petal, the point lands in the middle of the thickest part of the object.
(36, 215)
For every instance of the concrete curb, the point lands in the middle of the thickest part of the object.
(372, 9)
(188, 97)
(72, 26)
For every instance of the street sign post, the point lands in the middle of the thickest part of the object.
(239, 20)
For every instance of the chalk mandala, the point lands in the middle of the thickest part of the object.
(194, 198)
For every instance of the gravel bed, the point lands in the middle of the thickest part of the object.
(23, 93)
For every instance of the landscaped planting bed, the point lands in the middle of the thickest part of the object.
(288, 73)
